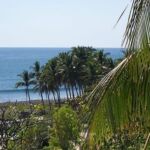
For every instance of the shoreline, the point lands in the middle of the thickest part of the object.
(37, 101)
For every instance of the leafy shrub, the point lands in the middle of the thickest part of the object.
(65, 130)
(131, 138)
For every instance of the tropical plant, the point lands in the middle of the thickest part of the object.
(26, 81)
(64, 70)
(36, 69)
(77, 69)
(10, 124)
(51, 78)
(74, 71)
(102, 57)
(38, 83)
(121, 98)
(32, 132)
(65, 131)
(44, 82)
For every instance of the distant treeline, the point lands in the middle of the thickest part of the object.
(74, 70)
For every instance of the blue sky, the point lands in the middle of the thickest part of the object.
(61, 23)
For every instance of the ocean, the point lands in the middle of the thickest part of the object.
(14, 60)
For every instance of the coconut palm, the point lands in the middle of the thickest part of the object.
(66, 70)
(38, 83)
(55, 83)
(26, 81)
(84, 62)
(102, 57)
(52, 79)
(62, 67)
(72, 69)
(36, 69)
(121, 98)
(44, 82)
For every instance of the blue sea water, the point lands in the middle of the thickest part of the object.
(14, 60)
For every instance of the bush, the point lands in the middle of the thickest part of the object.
(65, 131)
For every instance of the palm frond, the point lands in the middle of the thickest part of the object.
(121, 16)
(20, 84)
(138, 25)
(122, 95)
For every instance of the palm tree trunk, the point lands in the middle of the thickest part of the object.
(76, 90)
(80, 92)
(58, 95)
(29, 99)
(72, 91)
(69, 92)
(26, 94)
(66, 92)
(54, 96)
(82, 89)
(42, 100)
(48, 96)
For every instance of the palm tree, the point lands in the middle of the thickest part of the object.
(55, 83)
(26, 81)
(83, 60)
(44, 84)
(52, 79)
(121, 98)
(66, 71)
(62, 71)
(36, 69)
(71, 70)
(38, 83)
(102, 57)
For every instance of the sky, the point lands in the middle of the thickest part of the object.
(62, 23)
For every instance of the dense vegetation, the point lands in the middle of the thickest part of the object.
(74, 71)
(53, 123)
(22, 130)
(120, 103)
(114, 115)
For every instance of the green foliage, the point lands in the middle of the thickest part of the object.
(126, 100)
(26, 81)
(131, 138)
(74, 70)
(38, 130)
(122, 96)
(65, 131)
(22, 130)
(32, 135)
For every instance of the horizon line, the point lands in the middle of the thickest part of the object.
(56, 47)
